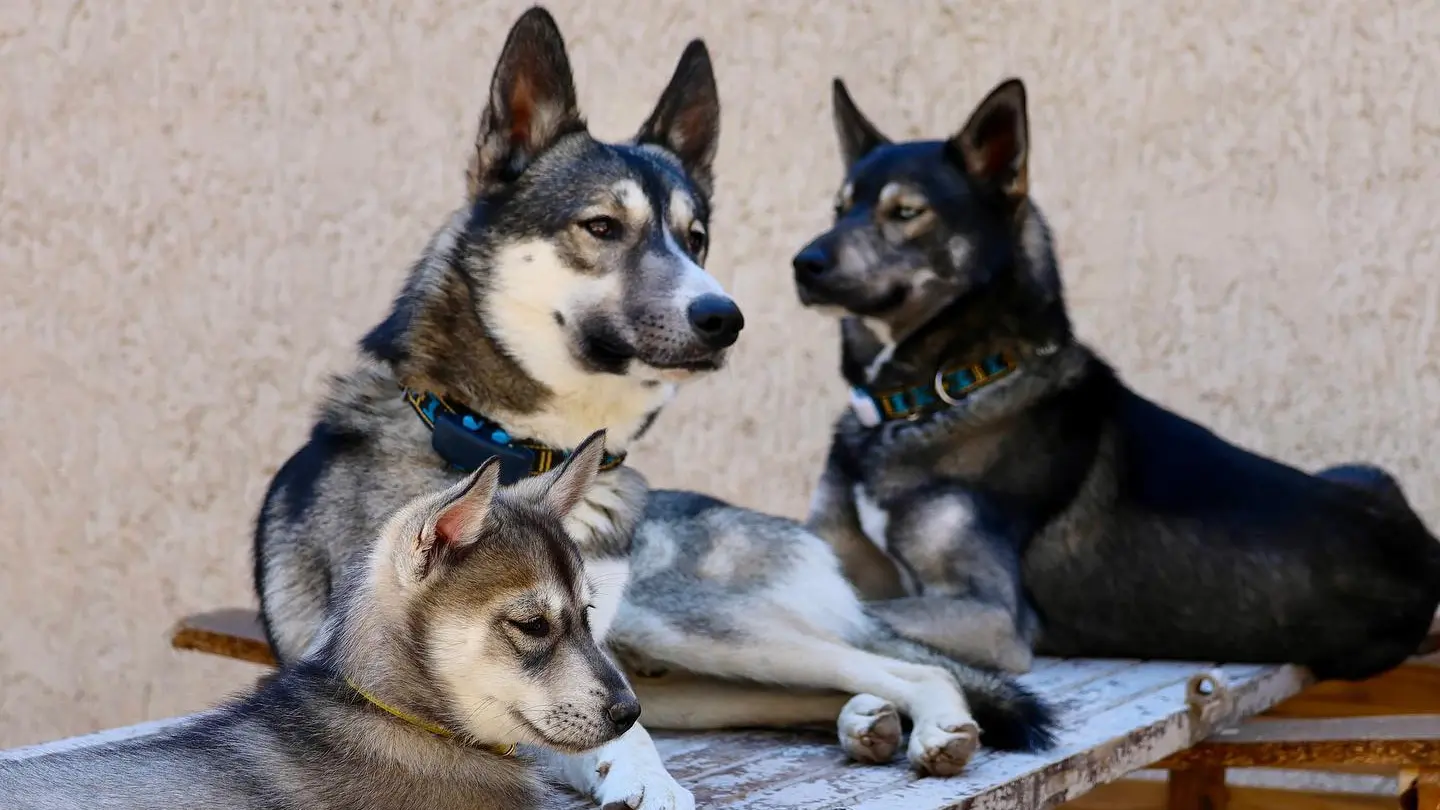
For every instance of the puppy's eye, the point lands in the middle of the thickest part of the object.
(538, 627)
(697, 240)
(606, 228)
(905, 213)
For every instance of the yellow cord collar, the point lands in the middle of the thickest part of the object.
(438, 731)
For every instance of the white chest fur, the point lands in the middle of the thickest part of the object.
(874, 520)
(607, 581)
(590, 525)
(875, 525)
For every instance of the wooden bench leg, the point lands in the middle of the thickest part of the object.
(1198, 788)
(1420, 790)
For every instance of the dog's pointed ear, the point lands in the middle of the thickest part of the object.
(532, 102)
(571, 480)
(858, 137)
(686, 120)
(994, 145)
(457, 519)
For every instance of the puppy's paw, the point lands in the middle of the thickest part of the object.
(869, 729)
(943, 749)
(641, 786)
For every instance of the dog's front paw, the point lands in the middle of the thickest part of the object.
(943, 749)
(638, 786)
(869, 729)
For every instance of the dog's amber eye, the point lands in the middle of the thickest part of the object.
(698, 240)
(607, 228)
(538, 627)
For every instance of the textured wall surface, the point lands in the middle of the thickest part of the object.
(203, 205)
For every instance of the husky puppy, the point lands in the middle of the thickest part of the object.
(466, 633)
(567, 294)
(1005, 491)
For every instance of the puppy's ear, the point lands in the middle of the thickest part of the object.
(570, 481)
(994, 146)
(686, 120)
(858, 137)
(456, 521)
(532, 103)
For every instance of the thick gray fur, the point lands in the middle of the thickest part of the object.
(466, 562)
(525, 309)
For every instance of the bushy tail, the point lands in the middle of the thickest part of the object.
(1011, 717)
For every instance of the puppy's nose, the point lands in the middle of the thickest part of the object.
(623, 713)
(810, 263)
(716, 319)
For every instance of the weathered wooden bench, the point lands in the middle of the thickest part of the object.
(1195, 720)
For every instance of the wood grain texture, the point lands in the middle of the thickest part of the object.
(1136, 795)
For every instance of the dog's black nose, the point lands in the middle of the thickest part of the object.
(716, 319)
(810, 263)
(623, 713)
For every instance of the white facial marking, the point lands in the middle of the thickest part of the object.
(485, 678)
(694, 281)
(959, 249)
(890, 192)
(682, 208)
(632, 198)
(845, 197)
(530, 283)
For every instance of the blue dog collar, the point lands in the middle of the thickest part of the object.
(950, 386)
(466, 440)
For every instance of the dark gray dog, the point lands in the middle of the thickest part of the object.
(1000, 484)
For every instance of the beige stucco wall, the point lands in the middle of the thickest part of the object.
(202, 205)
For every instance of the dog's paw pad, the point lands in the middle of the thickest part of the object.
(869, 729)
(943, 750)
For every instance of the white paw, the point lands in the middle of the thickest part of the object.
(641, 786)
(869, 729)
(943, 749)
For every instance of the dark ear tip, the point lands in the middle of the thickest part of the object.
(696, 49)
(537, 15)
(838, 89)
(536, 23)
(1012, 87)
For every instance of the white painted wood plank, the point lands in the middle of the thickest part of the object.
(1120, 687)
(822, 775)
(107, 736)
(1073, 672)
(840, 787)
(1109, 745)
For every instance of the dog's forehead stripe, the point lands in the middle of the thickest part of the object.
(682, 207)
(632, 198)
(661, 174)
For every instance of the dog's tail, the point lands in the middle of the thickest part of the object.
(1011, 717)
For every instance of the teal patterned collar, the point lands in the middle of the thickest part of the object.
(950, 385)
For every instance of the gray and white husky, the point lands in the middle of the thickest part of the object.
(464, 633)
(567, 295)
